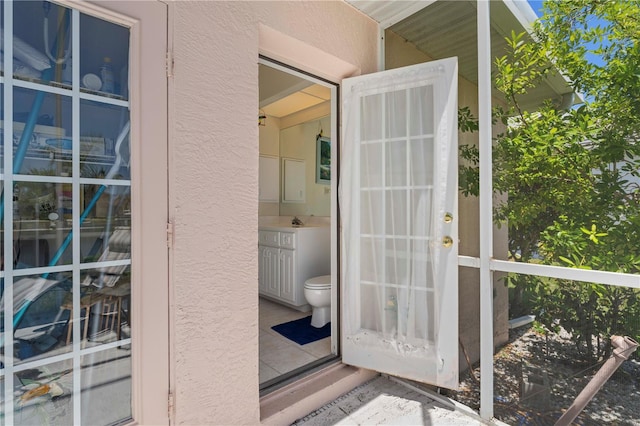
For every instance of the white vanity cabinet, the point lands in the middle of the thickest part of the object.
(287, 257)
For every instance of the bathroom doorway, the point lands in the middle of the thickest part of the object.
(298, 140)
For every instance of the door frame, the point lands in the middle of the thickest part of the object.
(335, 169)
(311, 61)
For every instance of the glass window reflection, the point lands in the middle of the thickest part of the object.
(41, 133)
(66, 280)
(42, 43)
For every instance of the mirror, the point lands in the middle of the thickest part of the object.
(297, 122)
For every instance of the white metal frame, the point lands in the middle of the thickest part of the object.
(486, 215)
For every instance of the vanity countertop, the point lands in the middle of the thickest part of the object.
(283, 223)
(289, 228)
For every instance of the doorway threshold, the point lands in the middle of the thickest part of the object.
(392, 401)
(299, 398)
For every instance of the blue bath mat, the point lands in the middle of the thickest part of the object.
(301, 331)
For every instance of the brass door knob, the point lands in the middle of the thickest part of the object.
(447, 241)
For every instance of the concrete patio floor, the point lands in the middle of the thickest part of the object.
(387, 401)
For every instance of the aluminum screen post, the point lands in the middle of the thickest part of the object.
(486, 219)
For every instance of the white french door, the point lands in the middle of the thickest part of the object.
(83, 160)
(398, 201)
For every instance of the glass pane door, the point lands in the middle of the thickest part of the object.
(66, 217)
(398, 199)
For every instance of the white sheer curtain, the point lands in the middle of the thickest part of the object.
(398, 195)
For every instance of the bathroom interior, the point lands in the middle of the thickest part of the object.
(296, 129)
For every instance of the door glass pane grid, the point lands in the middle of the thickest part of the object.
(41, 326)
(371, 166)
(97, 55)
(395, 114)
(404, 282)
(106, 387)
(372, 108)
(35, 51)
(372, 204)
(47, 223)
(421, 117)
(370, 306)
(373, 213)
(421, 166)
(398, 228)
(43, 393)
(396, 158)
(385, 213)
(46, 149)
(5, 131)
(404, 159)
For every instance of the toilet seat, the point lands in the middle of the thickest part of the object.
(322, 282)
(317, 286)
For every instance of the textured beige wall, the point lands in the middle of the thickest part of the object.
(401, 53)
(214, 186)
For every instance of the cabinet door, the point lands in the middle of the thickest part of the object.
(288, 275)
(293, 180)
(269, 181)
(262, 270)
(272, 271)
(399, 201)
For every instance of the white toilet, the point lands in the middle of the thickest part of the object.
(317, 291)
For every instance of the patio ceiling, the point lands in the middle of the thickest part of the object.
(443, 29)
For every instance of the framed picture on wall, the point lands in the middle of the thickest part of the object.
(323, 160)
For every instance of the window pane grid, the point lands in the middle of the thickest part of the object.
(59, 200)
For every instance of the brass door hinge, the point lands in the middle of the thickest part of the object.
(169, 63)
(170, 404)
(170, 234)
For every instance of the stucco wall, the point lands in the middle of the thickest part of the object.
(399, 52)
(214, 186)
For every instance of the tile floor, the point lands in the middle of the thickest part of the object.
(279, 355)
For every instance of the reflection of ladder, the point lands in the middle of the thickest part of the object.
(110, 318)
(110, 288)
(118, 248)
(107, 308)
(86, 303)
